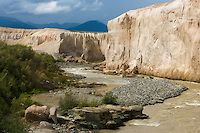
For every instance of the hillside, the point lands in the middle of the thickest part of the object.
(14, 23)
(91, 26)
(54, 25)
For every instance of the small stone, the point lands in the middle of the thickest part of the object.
(45, 125)
(78, 118)
(111, 124)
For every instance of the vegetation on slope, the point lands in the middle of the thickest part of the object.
(23, 72)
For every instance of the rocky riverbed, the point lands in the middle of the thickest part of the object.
(143, 91)
(140, 90)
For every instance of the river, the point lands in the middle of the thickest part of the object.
(176, 115)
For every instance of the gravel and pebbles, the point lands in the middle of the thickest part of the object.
(142, 91)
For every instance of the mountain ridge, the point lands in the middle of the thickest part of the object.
(90, 26)
(14, 23)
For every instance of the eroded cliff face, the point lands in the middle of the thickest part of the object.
(161, 40)
(89, 46)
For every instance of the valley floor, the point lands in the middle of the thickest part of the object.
(179, 114)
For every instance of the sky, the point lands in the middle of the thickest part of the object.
(75, 11)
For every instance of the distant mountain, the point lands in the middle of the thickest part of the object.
(54, 25)
(14, 23)
(91, 26)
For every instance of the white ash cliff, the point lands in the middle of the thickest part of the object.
(161, 40)
(89, 46)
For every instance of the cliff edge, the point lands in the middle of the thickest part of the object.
(89, 46)
(161, 40)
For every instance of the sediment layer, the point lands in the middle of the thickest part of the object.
(89, 46)
(161, 40)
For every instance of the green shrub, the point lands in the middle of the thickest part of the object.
(21, 103)
(60, 60)
(68, 102)
(23, 71)
(109, 98)
(95, 103)
(86, 103)
(12, 124)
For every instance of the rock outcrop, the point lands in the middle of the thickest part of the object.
(105, 116)
(53, 114)
(161, 40)
(89, 46)
(37, 113)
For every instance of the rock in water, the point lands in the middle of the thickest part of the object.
(161, 40)
(37, 113)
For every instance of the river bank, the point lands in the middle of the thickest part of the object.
(157, 113)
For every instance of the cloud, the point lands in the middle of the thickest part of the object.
(50, 8)
(39, 7)
(96, 5)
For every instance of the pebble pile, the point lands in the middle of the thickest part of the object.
(142, 91)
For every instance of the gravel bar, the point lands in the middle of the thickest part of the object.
(142, 91)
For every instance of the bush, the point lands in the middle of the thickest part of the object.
(85, 103)
(23, 71)
(109, 98)
(12, 124)
(68, 102)
(21, 103)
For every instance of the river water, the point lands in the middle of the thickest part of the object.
(176, 115)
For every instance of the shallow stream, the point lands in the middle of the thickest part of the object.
(176, 115)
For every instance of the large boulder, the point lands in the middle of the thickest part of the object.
(106, 116)
(37, 113)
